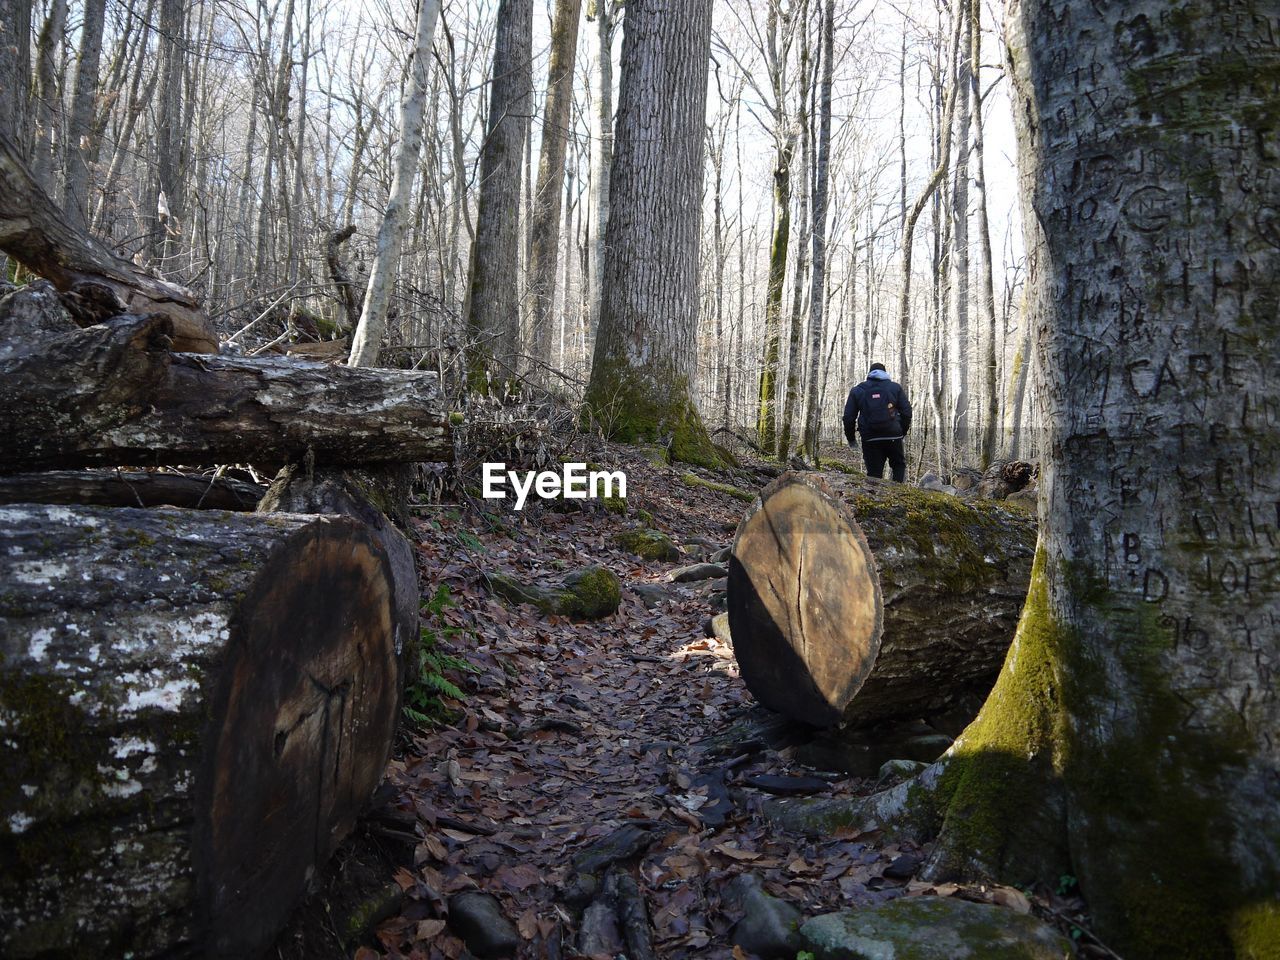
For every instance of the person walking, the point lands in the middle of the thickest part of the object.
(879, 410)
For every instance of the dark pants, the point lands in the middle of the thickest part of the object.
(875, 452)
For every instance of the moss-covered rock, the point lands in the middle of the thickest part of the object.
(932, 928)
(587, 594)
(648, 544)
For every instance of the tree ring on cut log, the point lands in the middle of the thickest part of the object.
(805, 608)
(311, 678)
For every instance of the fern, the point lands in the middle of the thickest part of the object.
(423, 698)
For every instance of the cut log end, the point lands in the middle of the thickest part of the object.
(194, 706)
(805, 609)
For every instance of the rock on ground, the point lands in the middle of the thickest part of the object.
(932, 928)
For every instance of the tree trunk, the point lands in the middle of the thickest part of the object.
(373, 318)
(601, 159)
(80, 130)
(959, 412)
(175, 771)
(15, 68)
(115, 396)
(117, 488)
(1140, 696)
(817, 286)
(493, 299)
(645, 356)
(545, 228)
(34, 230)
(810, 565)
(987, 291)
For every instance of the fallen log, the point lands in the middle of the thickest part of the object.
(35, 232)
(857, 601)
(193, 708)
(114, 395)
(118, 488)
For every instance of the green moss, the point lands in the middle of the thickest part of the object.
(457, 418)
(1255, 931)
(693, 480)
(648, 544)
(616, 505)
(592, 593)
(638, 405)
(367, 914)
(998, 787)
(645, 517)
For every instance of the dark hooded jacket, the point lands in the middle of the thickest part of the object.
(860, 397)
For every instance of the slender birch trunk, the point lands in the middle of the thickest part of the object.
(373, 317)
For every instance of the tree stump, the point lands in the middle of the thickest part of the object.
(193, 708)
(859, 601)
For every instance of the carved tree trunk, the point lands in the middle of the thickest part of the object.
(1140, 700)
(867, 601)
(194, 707)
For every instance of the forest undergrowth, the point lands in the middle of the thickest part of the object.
(569, 730)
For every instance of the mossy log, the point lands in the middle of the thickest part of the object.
(194, 706)
(857, 601)
(114, 395)
(119, 488)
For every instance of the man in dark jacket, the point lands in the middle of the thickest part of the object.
(879, 409)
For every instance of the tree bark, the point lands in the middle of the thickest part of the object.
(1141, 690)
(116, 488)
(642, 377)
(34, 231)
(174, 772)
(373, 317)
(115, 396)
(545, 228)
(15, 68)
(493, 299)
(865, 601)
(80, 136)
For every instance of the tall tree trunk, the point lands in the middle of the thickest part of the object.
(767, 412)
(165, 216)
(795, 339)
(493, 300)
(601, 158)
(79, 130)
(15, 69)
(373, 317)
(645, 355)
(987, 289)
(960, 348)
(1133, 726)
(545, 228)
(48, 96)
(817, 298)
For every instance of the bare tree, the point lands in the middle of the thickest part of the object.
(373, 317)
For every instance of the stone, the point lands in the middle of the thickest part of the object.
(651, 594)
(588, 594)
(33, 312)
(903, 867)
(932, 928)
(719, 628)
(903, 769)
(722, 555)
(598, 933)
(788, 786)
(478, 919)
(648, 544)
(698, 571)
(930, 481)
(769, 926)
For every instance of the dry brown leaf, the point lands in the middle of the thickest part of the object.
(729, 850)
(428, 929)
(1011, 897)
(460, 835)
(404, 879)
(527, 923)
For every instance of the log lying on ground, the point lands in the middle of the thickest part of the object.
(35, 232)
(118, 488)
(193, 708)
(114, 395)
(869, 601)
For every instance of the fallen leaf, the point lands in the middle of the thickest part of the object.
(1011, 897)
(729, 850)
(404, 879)
(429, 929)
(527, 923)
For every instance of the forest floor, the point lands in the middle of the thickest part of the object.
(571, 730)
